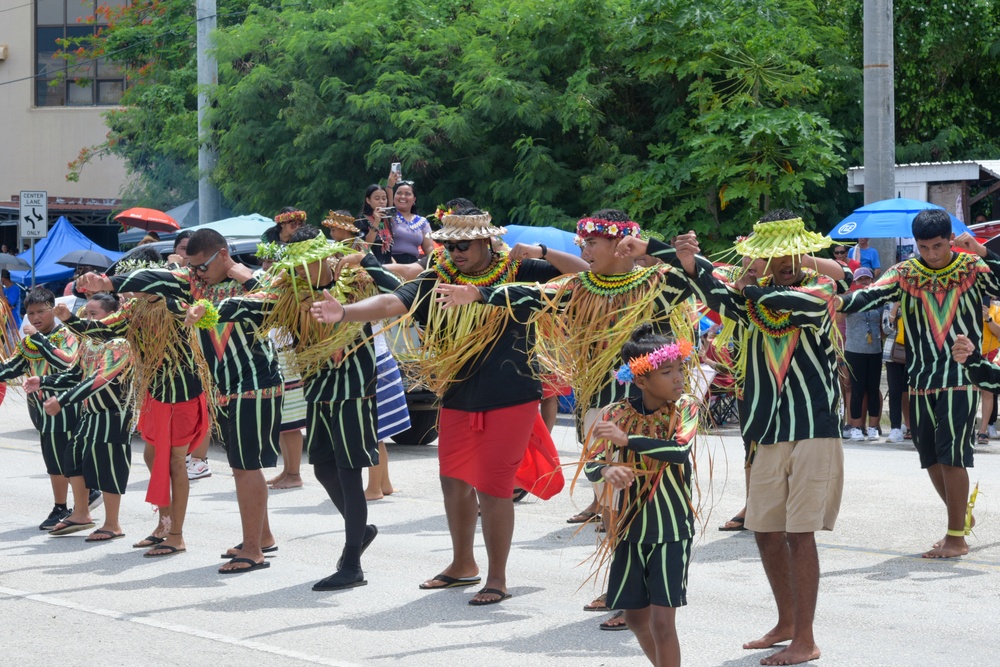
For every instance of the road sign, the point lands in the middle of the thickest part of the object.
(34, 214)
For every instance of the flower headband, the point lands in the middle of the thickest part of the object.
(648, 362)
(606, 228)
(291, 216)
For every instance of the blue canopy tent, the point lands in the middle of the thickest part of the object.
(63, 239)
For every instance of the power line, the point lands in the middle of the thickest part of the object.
(10, 9)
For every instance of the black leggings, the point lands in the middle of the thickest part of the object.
(347, 492)
(866, 373)
(895, 375)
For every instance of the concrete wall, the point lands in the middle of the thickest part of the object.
(946, 195)
(37, 144)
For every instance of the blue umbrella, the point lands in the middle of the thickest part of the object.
(889, 218)
(552, 238)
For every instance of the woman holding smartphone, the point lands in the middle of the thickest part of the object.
(411, 232)
(375, 223)
(395, 234)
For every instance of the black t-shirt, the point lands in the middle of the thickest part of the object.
(505, 375)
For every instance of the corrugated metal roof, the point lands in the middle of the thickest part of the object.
(931, 172)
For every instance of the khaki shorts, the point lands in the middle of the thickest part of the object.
(796, 487)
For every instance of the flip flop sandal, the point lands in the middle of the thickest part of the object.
(263, 565)
(489, 591)
(583, 517)
(450, 582)
(70, 527)
(607, 625)
(111, 536)
(153, 540)
(265, 550)
(603, 606)
(737, 520)
(173, 551)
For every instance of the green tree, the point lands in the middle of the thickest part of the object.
(514, 105)
(740, 113)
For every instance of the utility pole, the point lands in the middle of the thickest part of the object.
(880, 114)
(209, 198)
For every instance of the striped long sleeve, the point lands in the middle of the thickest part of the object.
(238, 360)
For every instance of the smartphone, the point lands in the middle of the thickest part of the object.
(397, 168)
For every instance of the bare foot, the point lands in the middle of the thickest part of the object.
(279, 477)
(949, 547)
(374, 495)
(793, 654)
(290, 481)
(774, 636)
(937, 545)
(599, 603)
(388, 490)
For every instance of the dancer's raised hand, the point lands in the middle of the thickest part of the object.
(329, 310)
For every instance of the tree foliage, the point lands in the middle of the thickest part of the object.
(688, 115)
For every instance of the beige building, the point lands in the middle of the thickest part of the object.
(46, 124)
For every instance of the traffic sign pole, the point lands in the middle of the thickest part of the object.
(34, 223)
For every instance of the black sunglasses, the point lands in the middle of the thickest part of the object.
(461, 246)
(410, 183)
(201, 268)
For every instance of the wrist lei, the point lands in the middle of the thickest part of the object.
(210, 319)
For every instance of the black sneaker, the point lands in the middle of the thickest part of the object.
(95, 499)
(55, 516)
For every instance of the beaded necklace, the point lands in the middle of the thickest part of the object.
(501, 270)
(772, 323)
(614, 285)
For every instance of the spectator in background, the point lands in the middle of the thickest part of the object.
(147, 239)
(991, 343)
(179, 255)
(410, 231)
(12, 293)
(896, 376)
(868, 257)
(863, 354)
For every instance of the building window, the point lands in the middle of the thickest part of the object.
(63, 19)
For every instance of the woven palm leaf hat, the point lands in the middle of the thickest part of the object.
(467, 228)
(781, 238)
(303, 253)
(336, 220)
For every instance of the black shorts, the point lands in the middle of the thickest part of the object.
(343, 432)
(249, 426)
(943, 424)
(645, 574)
(54, 447)
(101, 451)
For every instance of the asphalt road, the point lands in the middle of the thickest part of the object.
(66, 602)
